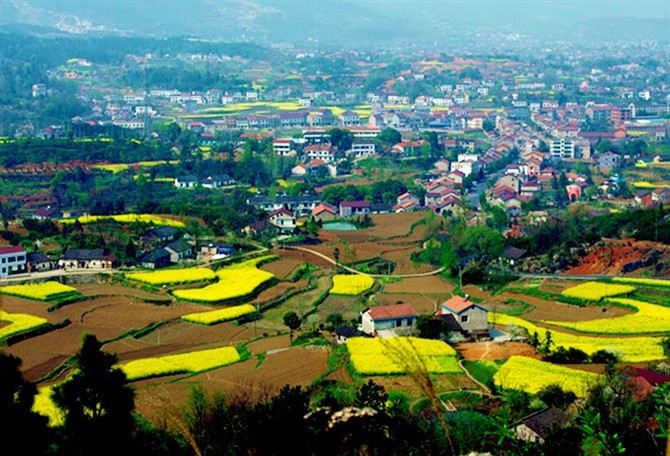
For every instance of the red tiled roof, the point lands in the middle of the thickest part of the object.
(392, 311)
(458, 304)
(354, 204)
(15, 249)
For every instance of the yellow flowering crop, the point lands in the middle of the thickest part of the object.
(233, 281)
(595, 291)
(217, 316)
(651, 282)
(193, 362)
(531, 375)
(648, 319)
(173, 276)
(400, 354)
(130, 218)
(39, 291)
(351, 284)
(628, 349)
(45, 406)
(19, 323)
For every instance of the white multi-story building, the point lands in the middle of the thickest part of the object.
(562, 148)
(12, 260)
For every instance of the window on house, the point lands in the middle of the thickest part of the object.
(464, 318)
(409, 322)
(398, 323)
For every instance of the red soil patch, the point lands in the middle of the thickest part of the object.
(609, 257)
(495, 351)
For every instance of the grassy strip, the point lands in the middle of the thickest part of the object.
(483, 370)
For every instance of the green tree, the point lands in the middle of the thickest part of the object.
(342, 139)
(97, 403)
(22, 431)
(292, 320)
(389, 138)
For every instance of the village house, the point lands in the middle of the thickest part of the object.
(407, 202)
(282, 218)
(154, 259)
(608, 160)
(361, 149)
(354, 208)
(644, 199)
(12, 260)
(179, 250)
(387, 320)
(217, 248)
(186, 181)
(300, 205)
(283, 147)
(38, 262)
(324, 212)
(218, 181)
(87, 259)
(465, 316)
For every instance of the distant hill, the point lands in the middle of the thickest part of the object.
(351, 23)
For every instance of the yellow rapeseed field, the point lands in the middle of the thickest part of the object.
(173, 276)
(233, 281)
(19, 322)
(595, 291)
(648, 319)
(628, 349)
(129, 218)
(531, 375)
(351, 284)
(651, 282)
(192, 362)
(39, 291)
(400, 354)
(217, 316)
